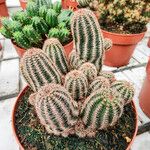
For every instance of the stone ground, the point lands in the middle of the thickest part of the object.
(11, 83)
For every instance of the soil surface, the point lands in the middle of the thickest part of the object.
(33, 136)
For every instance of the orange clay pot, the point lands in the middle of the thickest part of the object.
(20, 51)
(69, 4)
(17, 138)
(144, 96)
(148, 44)
(122, 49)
(3, 9)
(23, 3)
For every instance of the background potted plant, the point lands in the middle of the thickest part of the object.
(3, 8)
(78, 108)
(23, 3)
(124, 22)
(31, 27)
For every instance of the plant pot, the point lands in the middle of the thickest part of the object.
(17, 105)
(148, 44)
(20, 51)
(144, 97)
(3, 9)
(69, 4)
(23, 3)
(122, 49)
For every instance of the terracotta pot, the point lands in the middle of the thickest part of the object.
(16, 105)
(23, 3)
(3, 9)
(148, 44)
(20, 51)
(144, 96)
(122, 49)
(69, 4)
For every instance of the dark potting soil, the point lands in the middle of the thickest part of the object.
(33, 136)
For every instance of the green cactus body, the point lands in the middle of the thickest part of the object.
(87, 36)
(32, 9)
(125, 89)
(21, 40)
(53, 32)
(76, 83)
(109, 75)
(64, 35)
(102, 109)
(84, 3)
(56, 110)
(57, 7)
(5, 23)
(39, 25)
(43, 11)
(74, 61)
(32, 35)
(38, 69)
(5, 32)
(98, 83)
(89, 70)
(47, 3)
(53, 48)
(51, 18)
(15, 26)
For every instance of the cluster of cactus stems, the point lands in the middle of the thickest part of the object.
(73, 97)
(41, 21)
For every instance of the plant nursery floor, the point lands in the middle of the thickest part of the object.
(11, 83)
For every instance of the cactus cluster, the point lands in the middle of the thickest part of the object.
(41, 21)
(79, 101)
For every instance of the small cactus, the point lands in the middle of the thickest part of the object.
(53, 48)
(102, 109)
(89, 70)
(98, 83)
(74, 61)
(84, 3)
(5, 32)
(38, 69)
(57, 7)
(51, 18)
(87, 37)
(64, 34)
(56, 110)
(47, 3)
(43, 11)
(76, 83)
(32, 9)
(53, 33)
(125, 89)
(109, 75)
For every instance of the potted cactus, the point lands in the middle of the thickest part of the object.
(124, 22)
(67, 108)
(30, 28)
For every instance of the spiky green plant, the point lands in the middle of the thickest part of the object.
(39, 25)
(98, 83)
(5, 32)
(51, 18)
(53, 48)
(76, 83)
(38, 69)
(5, 21)
(102, 109)
(109, 75)
(56, 109)
(89, 70)
(87, 36)
(43, 11)
(125, 89)
(32, 9)
(84, 3)
(21, 40)
(47, 3)
(57, 6)
(74, 61)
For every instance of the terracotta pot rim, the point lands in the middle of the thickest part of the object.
(124, 35)
(22, 93)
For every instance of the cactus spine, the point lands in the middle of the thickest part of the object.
(99, 83)
(101, 109)
(125, 89)
(32, 9)
(83, 3)
(38, 69)
(87, 36)
(55, 108)
(107, 44)
(89, 70)
(43, 11)
(53, 48)
(76, 83)
(109, 75)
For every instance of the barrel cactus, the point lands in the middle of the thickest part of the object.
(126, 90)
(56, 110)
(83, 3)
(38, 69)
(76, 83)
(89, 70)
(102, 109)
(98, 83)
(88, 39)
(32, 9)
(109, 75)
(53, 48)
